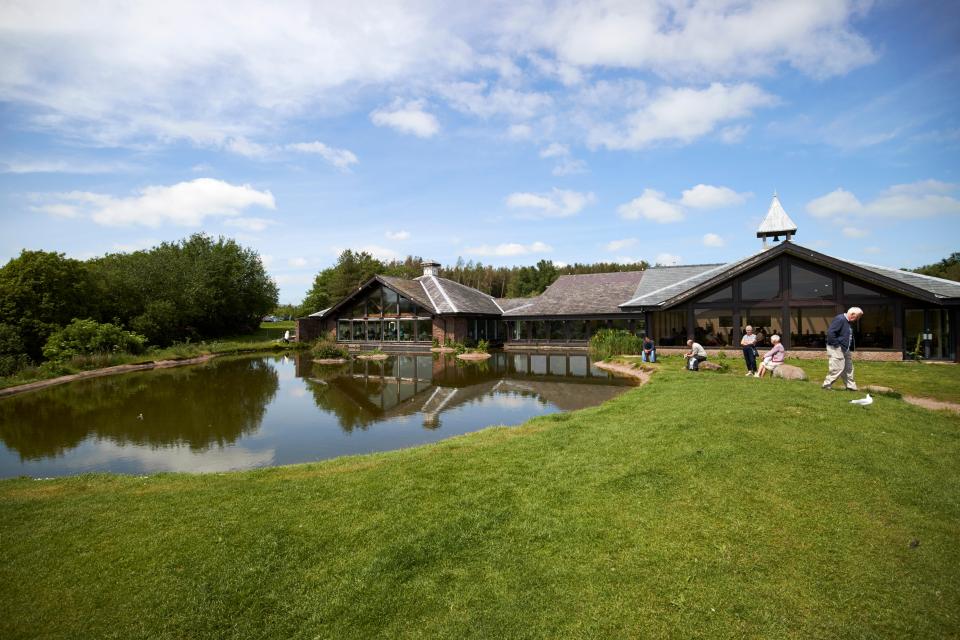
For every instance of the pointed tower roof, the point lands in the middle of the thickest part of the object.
(777, 222)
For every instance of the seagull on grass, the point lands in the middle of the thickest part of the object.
(863, 402)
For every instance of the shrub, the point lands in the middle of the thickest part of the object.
(614, 342)
(88, 337)
(325, 349)
(482, 346)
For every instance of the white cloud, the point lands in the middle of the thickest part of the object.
(247, 148)
(651, 205)
(520, 131)
(398, 235)
(298, 262)
(713, 240)
(837, 202)
(700, 39)
(183, 204)
(667, 259)
(75, 166)
(555, 150)
(407, 117)
(854, 232)
(705, 196)
(224, 74)
(682, 115)
(559, 203)
(475, 98)
(734, 134)
(922, 199)
(617, 245)
(250, 224)
(508, 249)
(566, 164)
(340, 158)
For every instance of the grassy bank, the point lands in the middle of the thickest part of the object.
(694, 507)
(264, 339)
(924, 379)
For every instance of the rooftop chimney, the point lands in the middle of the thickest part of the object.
(430, 268)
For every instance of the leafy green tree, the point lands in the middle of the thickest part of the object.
(948, 268)
(40, 291)
(86, 337)
(353, 268)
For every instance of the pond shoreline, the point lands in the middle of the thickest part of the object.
(106, 371)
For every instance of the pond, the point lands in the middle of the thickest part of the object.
(258, 411)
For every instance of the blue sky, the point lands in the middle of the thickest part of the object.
(504, 133)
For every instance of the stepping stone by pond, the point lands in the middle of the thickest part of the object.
(876, 388)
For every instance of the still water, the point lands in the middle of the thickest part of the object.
(246, 412)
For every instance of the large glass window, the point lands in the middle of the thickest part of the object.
(714, 327)
(407, 307)
(408, 330)
(808, 327)
(853, 290)
(578, 330)
(390, 330)
(359, 330)
(671, 328)
(424, 330)
(538, 330)
(724, 294)
(556, 330)
(762, 286)
(806, 284)
(481, 328)
(875, 329)
(374, 303)
(344, 330)
(765, 323)
(390, 299)
(359, 310)
(621, 324)
(373, 330)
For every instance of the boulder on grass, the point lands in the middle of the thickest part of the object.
(710, 366)
(879, 390)
(789, 372)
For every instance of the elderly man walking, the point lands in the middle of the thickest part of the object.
(839, 345)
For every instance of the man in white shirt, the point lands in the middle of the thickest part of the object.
(695, 356)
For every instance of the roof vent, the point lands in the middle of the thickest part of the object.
(430, 268)
(777, 223)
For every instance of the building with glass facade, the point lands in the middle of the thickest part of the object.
(785, 289)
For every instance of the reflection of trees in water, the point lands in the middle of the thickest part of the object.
(198, 406)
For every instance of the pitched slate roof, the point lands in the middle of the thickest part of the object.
(448, 296)
(512, 303)
(585, 294)
(937, 286)
(662, 283)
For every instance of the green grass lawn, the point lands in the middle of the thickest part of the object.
(703, 505)
(925, 379)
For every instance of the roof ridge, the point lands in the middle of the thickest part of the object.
(436, 281)
(436, 309)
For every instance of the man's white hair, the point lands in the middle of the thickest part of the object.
(774, 338)
(856, 310)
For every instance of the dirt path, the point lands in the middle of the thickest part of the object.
(107, 371)
(624, 370)
(930, 403)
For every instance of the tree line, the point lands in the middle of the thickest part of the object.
(948, 268)
(192, 289)
(353, 268)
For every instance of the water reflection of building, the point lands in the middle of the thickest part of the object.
(362, 392)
